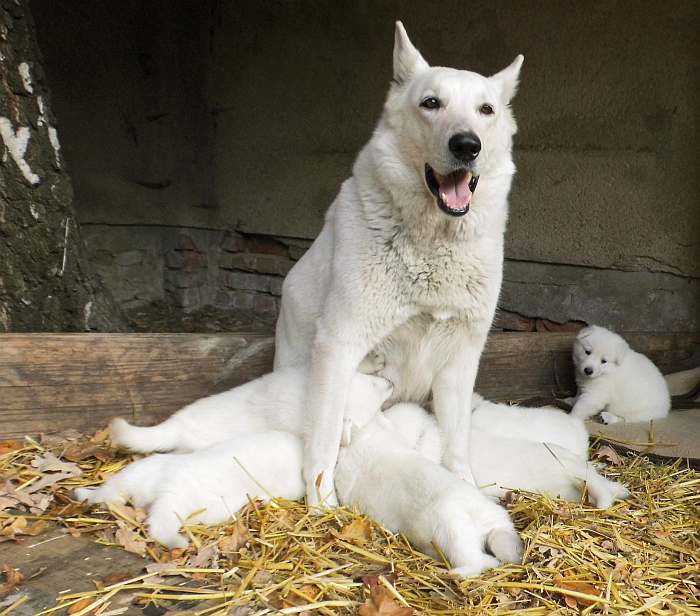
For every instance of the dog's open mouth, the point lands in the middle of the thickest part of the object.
(453, 191)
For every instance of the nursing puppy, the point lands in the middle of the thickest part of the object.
(275, 401)
(502, 463)
(207, 486)
(541, 425)
(410, 248)
(612, 378)
(385, 478)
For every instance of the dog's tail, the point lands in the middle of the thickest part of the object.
(505, 544)
(163, 437)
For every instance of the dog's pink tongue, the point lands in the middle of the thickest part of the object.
(455, 192)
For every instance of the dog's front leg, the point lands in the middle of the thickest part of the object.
(452, 398)
(334, 362)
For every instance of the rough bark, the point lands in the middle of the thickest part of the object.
(45, 280)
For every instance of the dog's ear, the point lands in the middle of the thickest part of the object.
(621, 349)
(407, 59)
(508, 78)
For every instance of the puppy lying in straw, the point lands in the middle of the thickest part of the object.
(207, 486)
(501, 462)
(384, 477)
(612, 378)
(275, 401)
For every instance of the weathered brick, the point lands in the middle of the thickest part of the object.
(187, 298)
(246, 281)
(545, 325)
(182, 279)
(260, 244)
(185, 242)
(262, 264)
(265, 303)
(130, 257)
(276, 286)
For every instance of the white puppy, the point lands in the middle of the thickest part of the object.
(275, 401)
(389, 481)
(502, 463)
(207, 486)
(612, 378)
(541, 425)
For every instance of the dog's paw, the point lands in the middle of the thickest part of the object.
(610, 418)
(570, 401)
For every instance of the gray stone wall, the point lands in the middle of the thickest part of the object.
(213, 119)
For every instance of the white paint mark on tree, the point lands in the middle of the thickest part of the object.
(65, 248)
(34, 212)
(87, 313)
(16, 142)
(56, 144)
(41, 120)
(26, 76)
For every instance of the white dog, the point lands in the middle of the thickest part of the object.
(541, 425)
(502, 462)
(612, 378)
(207, 486)
(379, 473)
(275, 401)
(410, 248)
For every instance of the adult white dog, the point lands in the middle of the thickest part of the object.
(410, 255)
(615, 381)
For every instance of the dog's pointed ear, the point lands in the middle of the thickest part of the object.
(508, 78)
(407, 59)
(621, 350)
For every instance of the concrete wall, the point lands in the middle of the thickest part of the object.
(184, 118)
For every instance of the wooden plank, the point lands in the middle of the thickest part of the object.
(51, 382)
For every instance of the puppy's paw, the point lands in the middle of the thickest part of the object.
(610, 418)
(484, 562)
(570, 401)
(320, 493)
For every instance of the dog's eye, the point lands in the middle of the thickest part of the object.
(486, 109)
(603, 361)
(430, 102)
(588, 352)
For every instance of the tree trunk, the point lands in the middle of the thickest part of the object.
(45, 281)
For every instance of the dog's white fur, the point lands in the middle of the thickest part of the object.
(275, 401)
(207, 486)
(388, 261)
(379, 473)
(504, 456)
(541, 425)
(623, 384)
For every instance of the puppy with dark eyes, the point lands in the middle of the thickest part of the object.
(615, 381)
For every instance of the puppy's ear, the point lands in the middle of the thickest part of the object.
(508, 79)
(407, 59)
(621, 351)
(584, 332)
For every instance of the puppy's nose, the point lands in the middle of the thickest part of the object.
(465, 146)
(588, 370)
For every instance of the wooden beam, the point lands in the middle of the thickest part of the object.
(51, 382)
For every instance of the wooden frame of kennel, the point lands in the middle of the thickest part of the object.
(52, 382)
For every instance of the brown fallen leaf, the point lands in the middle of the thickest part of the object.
(129, 539)
(81, 605)
(82, 451)
(382, 603)
(112, 578)
(9, 579)
(359, 531)
(11, 527)
(236, 539)
(578, 586)
(608, 453)
(10, 446)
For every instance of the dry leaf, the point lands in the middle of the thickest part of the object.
(358, 531)
(12, 578)
(129, 540)
(372, 578)
(49, 463)
(113, 578)
(237, 538)
(578, 586)
(82, 451)
(608, 453)
(11, 527)
(204, 557)
(81, 605)
(10, 446)
(383, 603)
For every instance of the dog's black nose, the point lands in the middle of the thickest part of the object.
(465, 146)
(588, 371)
